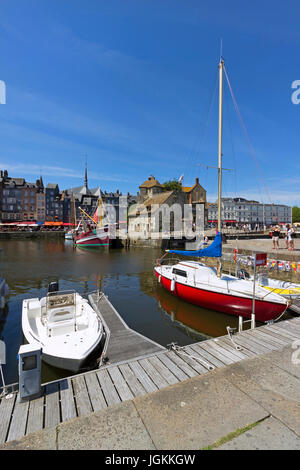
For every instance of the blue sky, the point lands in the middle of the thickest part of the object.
(132, 85)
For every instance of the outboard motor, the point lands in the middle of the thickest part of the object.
(243, 274)
(53, 287)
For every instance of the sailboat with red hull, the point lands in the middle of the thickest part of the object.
(207, 286)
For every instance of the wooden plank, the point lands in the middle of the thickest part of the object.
(280, 334)
(181, 376)
(249, 335)
(212, 349)
(267, 329)
(120, 384)
(229, 346)
(251, 345)
(192, 361)
(143, 377)
(135, 386)
(52, 411)
(158, 379)
(270, 339)
(108, 388)
(232, 356)
(6, 410)
(290, 327)
(35, 415)
(19, 419)
(206, 355)
(95, 392)
(82, 399)
(68, 408)
(187, 369)
(283, 332)
(163, 370)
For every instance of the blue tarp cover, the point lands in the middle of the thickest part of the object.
(212, 251)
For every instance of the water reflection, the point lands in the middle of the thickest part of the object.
(126, 276)
(202, 323)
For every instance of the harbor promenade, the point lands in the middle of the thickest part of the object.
(265, 245)
(248, 399)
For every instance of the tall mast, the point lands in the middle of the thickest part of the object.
(221, 65)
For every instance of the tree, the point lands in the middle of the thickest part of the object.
(172, 185)
(295, 214)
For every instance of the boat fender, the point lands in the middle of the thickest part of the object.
(173, 283)
(159, 278)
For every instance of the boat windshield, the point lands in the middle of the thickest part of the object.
(60, 299)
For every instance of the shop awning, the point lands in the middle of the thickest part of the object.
(53, 223)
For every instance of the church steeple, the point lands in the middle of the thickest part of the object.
(85, 175)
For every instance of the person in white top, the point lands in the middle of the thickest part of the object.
(290, 235)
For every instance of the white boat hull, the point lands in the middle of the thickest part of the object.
(67, 341)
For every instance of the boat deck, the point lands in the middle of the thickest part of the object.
(111, 384)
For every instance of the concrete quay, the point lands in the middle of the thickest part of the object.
(265, 246)
(250, 404)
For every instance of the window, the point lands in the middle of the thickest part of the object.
(179, 272)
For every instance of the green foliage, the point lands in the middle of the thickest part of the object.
(172, 185)
(296, 214)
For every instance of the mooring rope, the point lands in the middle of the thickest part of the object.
(180, 350)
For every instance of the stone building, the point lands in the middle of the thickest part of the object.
(240, 211)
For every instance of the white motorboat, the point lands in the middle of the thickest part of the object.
(69, 235)
(65, 325)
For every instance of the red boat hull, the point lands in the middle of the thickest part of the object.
(229, 304)
(90, 238)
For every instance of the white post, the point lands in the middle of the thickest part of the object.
(240, 324)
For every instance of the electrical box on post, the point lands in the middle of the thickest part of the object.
(30, 358)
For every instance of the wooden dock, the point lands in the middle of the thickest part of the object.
(122, 343)
(111, 384)
(295, 307)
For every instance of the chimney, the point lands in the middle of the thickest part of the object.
(197, 180)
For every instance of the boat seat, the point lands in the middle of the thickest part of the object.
(33, 308)
(60, 315)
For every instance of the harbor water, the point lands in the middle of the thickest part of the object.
(125, 275)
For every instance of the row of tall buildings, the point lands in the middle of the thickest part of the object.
(22, 201)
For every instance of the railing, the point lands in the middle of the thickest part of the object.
(6, 390)
(167, 261)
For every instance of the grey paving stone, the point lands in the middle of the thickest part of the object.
(118, 427)
(193, 414)
(271, 434)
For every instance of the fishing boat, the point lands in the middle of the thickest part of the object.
(91, 232)
(65, 325)
(207, 286)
